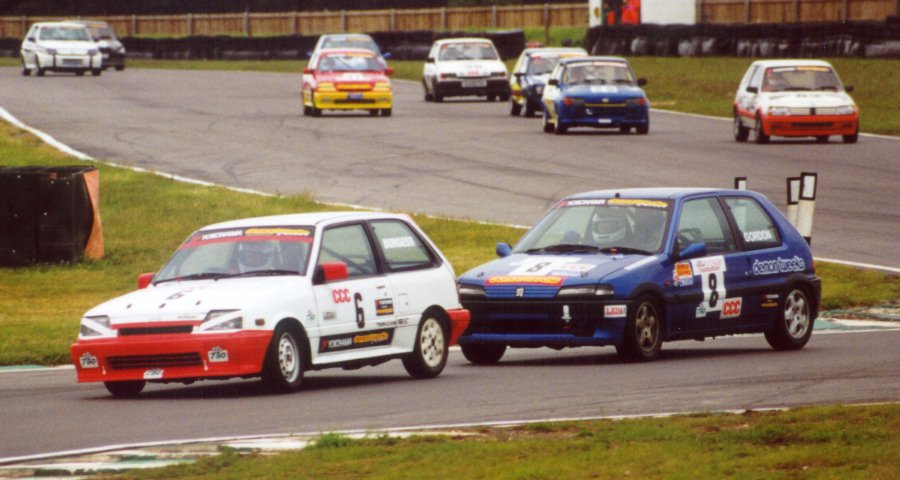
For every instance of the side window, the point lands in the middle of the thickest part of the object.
(755, 225)
(756, 78)
(703, 220)
(747, 76)
(403, 249)
(348, 244)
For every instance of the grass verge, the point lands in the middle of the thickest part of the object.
(819, 442)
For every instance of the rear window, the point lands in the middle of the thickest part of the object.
(756, 227)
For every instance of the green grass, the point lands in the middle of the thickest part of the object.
(809, 443)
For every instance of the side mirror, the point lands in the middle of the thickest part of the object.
(642, 82)
(31, 39)
(386, 55)
(553, 81)
(849, 88)
(753, 89)
(330, 272)
(145, 279)
(389, 71)
(503, 249)
(308, 71)
(693, 250)
(429, 60)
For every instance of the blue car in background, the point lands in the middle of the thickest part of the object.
(634, 268)
(598, 92)
(530, 75)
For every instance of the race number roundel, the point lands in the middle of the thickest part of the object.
(712, 280)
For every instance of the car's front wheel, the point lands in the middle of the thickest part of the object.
(515, 109)
(793, 329)
(548, 127)
(386, 112)
(852, 138)
(284, 363)
(126, 389)
(761, 136)
(529, 109)
(96, 72)
(483, 354)
(429, 356)
(741, 133)
(642, 340)
(643, 129)
(119, 68)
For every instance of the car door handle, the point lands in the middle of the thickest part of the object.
(381, 287)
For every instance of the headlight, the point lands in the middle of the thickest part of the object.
(95, 326)
(585, 291)
(498, 74)
(779, 111)
(213, 322)
(846, 110)
(470, 291)
(447, 75)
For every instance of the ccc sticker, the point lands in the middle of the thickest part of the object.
(731, 308)
(341, 295)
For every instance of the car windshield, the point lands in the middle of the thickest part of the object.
(467, 51)
(236, 252)
(542, 65)
(615, 225)
(364, 43)
(350, 62)
(65, 34)
(599, 73)
(787, 79)
(102, 33)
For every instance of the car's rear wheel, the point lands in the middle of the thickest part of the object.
(386, 112)
(642, 129)
(548, 127)
(373, 112)
(429, 356)
(529, 109)
(793, 329)
(96, 72)
(504, 97)
(284, 363)
(643, 331)
(126, 389)
(119, 68)
(761, 136)
(822, 138)
(515, 109)
(741, 133)
(483, 354)
(438, 97)
(80, 73)
(559, 128)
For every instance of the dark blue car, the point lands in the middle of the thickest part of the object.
(634, 268)
(598, 92)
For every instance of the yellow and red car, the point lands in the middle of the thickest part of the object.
(346, 79)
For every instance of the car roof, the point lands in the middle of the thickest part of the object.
(332, 51)
(65, 23)
(600, 59)
(345, 35)
(463, 40)
(663, 193)
(800, 62)
(89, 23)
(311, 219)
(541, 50)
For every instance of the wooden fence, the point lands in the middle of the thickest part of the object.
(459, 18)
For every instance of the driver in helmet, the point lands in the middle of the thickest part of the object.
(252, 256)
(610, 227)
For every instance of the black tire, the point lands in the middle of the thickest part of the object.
(491, 98)
(313, 111)
(285, 360)
(851, 138)
(793, 329)
(373, 113)
(761, 137)
(529, 110)
(515, 109)
(429, 357)
(80, 73)
(38, 71)
(822, 139)
(438, 97)
(642, 339)
(126, 389)
(386, 112)
(307, 110)
(25, 72)
(559, 128)
(119, 68)
(548, 127)
(503, 97)
(483, 354)
(642, 129)
(625, 129)
(741, 132)
(96, 72)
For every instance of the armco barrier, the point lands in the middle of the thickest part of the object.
(845, 39)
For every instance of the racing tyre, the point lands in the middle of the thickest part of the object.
(793, 329)
(515, 109)
(484, 354)
(643, 331)
(559, 128)
(438, 97)
(548, 127)
(313, 111)
(761, 136)
(642, 129)
(625, 129)
(386, 112)
(741, 133)
(503, 97)
(96, 72)
(119, 68)
(373, 113)
(284, 363)
(307, 110)
(80, 73)
(429, 357)
(822, 139)
(25, 72)
(127, 389)
(851, 138)
(491, 98)
(529, 110)
(38, 71)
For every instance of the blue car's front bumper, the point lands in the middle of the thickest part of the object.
(603, 116)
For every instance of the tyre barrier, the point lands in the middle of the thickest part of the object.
(49, 214)
(847, 39)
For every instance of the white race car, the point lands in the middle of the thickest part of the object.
(60, 47)
(274, 297)
(463, 67)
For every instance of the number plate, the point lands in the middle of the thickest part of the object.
(67, 61)
(354, 96)
(474, 83)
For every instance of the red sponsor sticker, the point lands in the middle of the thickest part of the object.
(615, 311)
(731, 308)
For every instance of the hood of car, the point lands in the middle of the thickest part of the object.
(472, 68)
(600, 92)
(550, 271)
(806, 99)
(193, 300)
(63, 47)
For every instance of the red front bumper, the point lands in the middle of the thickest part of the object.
(459, 322)
(810, 125)
(171, 356)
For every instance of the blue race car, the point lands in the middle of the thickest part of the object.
(530, 75)
(599, 92)
(634, 268)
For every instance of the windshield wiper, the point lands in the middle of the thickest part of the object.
(564, 248)
(193, 276)
(263, 273)
(828, 87)
(624, 250)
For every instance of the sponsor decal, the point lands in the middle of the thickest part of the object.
(374, 338)
(290, 234)
(384, 306)
(778, 265)
(398, 242)
(701, 311)
(731, 308)
(310, 316)
(552, 267)
(615, 311)
(329, 315)
(552, 280)
(278, 232)
(683, 275)
(341, 295)
(631, 202)
(759, 236)
(520, 292)
(571, 268)
(712, 281)
(220, 235)
(154, 374)
(584, 202)
(709, 264)
(217, 355)
(769, 300)
(88, 361)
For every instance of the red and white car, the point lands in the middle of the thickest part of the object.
(277, 296)
(346, 79)
(794, 98)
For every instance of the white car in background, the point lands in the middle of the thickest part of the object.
(458, 67)
(273, 297)
(60, 47)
